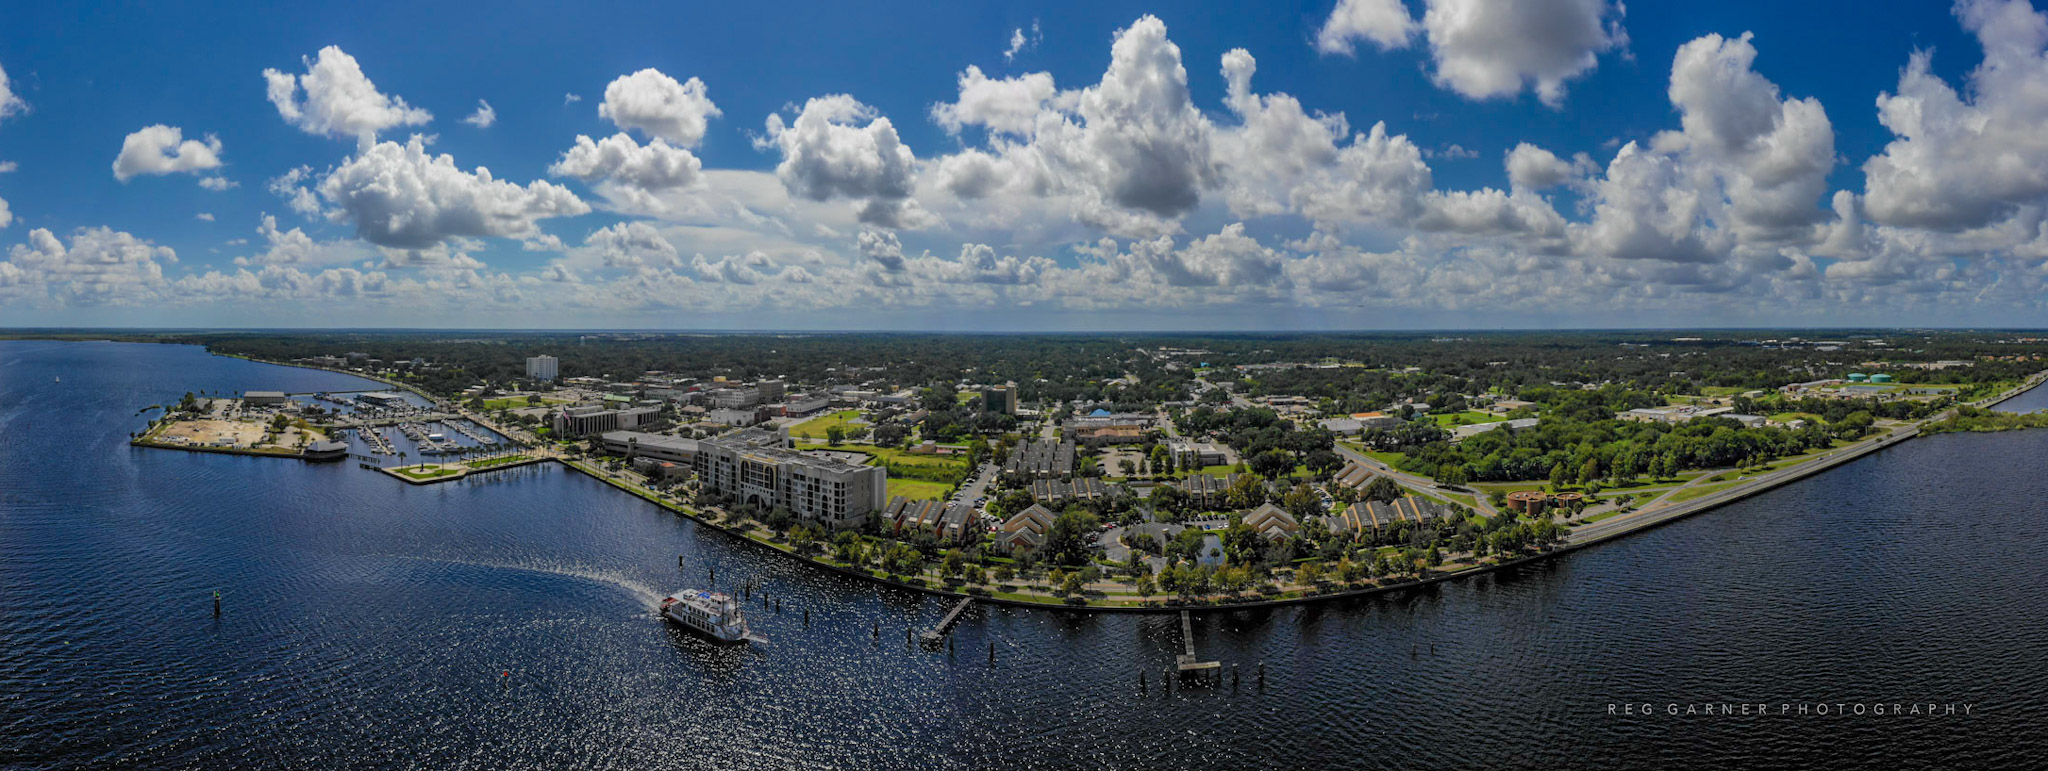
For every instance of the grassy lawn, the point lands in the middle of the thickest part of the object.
(1786, 417)
(432, 472)
(1466, 418)
(499, 461)
(1601, 516)
(1462, 500)
(1490, 488)
(1696, 492)
(1389, 458)
(917, 490)
(815, 427)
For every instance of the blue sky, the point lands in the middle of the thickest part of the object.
(836, 165)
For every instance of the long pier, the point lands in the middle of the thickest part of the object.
(1188, 661)
(423, 417)
(378, 443)
(455, 424)
(938, 633)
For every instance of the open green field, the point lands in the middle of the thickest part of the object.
(1462, 500)
(1786, 417)
(1696, 492)
(1389, 458)
(1601, 516)
(430, 472)
(917, 490)
(1466, 418)
(815, 427)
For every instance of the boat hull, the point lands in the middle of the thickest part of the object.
(713, 616)
(719, 636)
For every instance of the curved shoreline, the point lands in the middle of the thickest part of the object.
(1636, 522)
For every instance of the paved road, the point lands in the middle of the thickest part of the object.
(1235, 400)
(976, 486)
(1658, 511)
(1410, 481)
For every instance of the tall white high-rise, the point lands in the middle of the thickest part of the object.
(542, 367)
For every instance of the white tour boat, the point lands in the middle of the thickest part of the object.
(711, 614)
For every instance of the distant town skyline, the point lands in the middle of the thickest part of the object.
(1329, 165)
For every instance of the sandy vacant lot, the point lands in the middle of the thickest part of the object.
(240, 434)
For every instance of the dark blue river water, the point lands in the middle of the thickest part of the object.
(507, 623)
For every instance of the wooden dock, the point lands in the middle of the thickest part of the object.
(937, 633)
(1187, 662)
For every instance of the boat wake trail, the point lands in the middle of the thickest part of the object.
(647, 595)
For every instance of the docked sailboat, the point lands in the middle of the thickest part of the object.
(712, 614)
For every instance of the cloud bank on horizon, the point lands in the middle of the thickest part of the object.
(1018, 199)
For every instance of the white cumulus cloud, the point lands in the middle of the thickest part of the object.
(10, 103)
(1010, 105)
(1969, 159)
(1385, 23)
(335, 98)
(484, 115)
(837, 147)
(161, 149)
(654, 103)
(400, 196)
(655, 166)
(1495, 48)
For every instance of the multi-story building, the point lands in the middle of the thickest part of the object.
(1039, 459)
(736, 398)
(585, 421)
(1192, 454)
(800, 406)
(637, 444)
(591, 421)
(1002, 398)
(757, 467)
(544, 368)
(733, 417)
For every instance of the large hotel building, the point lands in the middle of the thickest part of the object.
(757, 466)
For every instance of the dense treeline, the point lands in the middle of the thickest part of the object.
(1510, 363)
(1578, 452)
(1979, 419)
(1126, 371)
